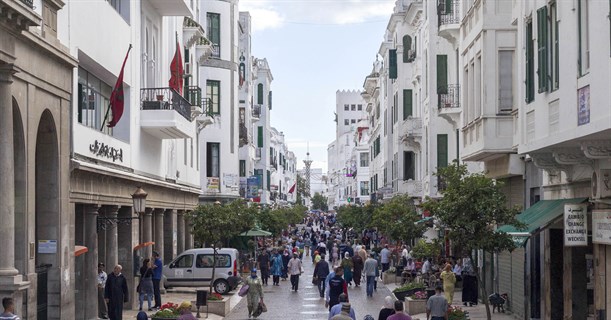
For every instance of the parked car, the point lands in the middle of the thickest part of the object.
(193, 268)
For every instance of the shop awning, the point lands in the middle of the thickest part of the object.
(423, 220)
(540, 216)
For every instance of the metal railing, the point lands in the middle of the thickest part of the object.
(256, 111)
(194, 95)
(29, 3)
(448, 96)
(448, 12)
(165, 99)
(207, 107)
(216, 50)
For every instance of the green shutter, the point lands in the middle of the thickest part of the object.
(557, 53)
(448, 4)
(260, 137)
(260, 93)
(542, 43)
(442, 74)
(392, 61)
(407, 103)
(530, 67)
(442, 150)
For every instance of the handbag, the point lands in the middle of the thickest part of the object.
(263, 306)
(315, 280)
(257, 312)
(244, 290)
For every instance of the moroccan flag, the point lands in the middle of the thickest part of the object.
(177, 71)
(116, 97)
(292, 189)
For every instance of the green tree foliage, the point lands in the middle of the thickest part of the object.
(319, 202)
(275, 220)
(302, 190)
(397, 218)
(470, 209)
(355, 217)
(424, 249)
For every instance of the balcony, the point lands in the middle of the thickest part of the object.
(192, 32)
(216, 51)
(448, 19)
(166, 114)
(413, 188)
(18, 14)
(448, 102)
(488, 137)
(256, 112)
(171, 8)
(203, 49)
(411, 132)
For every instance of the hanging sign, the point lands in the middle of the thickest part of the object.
(575, 225)
(601, 226)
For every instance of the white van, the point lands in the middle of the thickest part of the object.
(193, 268)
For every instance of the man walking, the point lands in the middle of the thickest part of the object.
(385, 256)
(337, 309)
(9, 310)
(321, 271)
(115, 293)
(263, 261)
(437, 306)
(157, 272)
(399, 313)
(337, 286)
(102, 277)
(294, 270)
(370, 272)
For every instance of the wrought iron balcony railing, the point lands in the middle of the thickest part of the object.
(448, 96)
(165, 99)
(207, 107)
(216, 50)
(448, 12)
(29, 3)
(194, 95)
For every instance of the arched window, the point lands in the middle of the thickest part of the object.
(260, 93)
(407, 47)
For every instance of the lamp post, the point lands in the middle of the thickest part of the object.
(139, 202)
(139, 199)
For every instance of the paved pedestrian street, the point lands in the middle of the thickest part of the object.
(282, 303)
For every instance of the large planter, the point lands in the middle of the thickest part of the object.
(388, 278)
(415, 306)
(221, 308)
(401, 295)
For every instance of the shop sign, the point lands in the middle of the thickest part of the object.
(100, 149)
(47, 246)
(575, 225)
(583, 111)
(252, 187)
(213, 184)
(601, 226)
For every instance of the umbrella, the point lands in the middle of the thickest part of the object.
(256, 232)
(79, 250)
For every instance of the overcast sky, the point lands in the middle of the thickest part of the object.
(314, 48)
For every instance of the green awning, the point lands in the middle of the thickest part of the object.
(540, 216)
(423, 220)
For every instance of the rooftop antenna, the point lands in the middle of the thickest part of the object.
(308, 164)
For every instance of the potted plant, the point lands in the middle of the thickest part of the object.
(217, 304)
(456, 313)
(407, 290)
(416, 303)
(168, 310)
(389, 275)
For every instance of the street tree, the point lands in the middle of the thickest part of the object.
(302, 189)
(215, 224)
(319, 202)
(397, 219)
(355, 217)
(471, 208)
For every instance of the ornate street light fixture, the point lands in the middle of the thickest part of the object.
(139, 205)
(139, 199)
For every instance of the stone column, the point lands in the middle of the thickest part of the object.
(7, 174)
(112, 237)
(147, 231)
(91, 260)
(169, 241)
(180, 231)
(188, 235)
(159, 231)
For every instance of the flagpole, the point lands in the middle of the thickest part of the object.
(108, 109)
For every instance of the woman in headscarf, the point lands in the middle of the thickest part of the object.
(146, 282)
(185, 311)
(469, 283)
(449, 280)
(276, 267)
(388, 309)
(255, 292)
(358, 264)
(347, 265)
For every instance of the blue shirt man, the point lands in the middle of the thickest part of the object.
(157, 272)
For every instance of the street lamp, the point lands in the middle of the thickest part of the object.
(139, 199)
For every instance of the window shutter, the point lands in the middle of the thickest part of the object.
(448, 4)
(530, 68)
(269, 100)
(260, 93)
(409, 166)
(407, 46)
(542, 43)
(442, 74)
(442, 150)
(407, 103)
(392, 61)
(260, 137)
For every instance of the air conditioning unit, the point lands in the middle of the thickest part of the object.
(601, 183)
